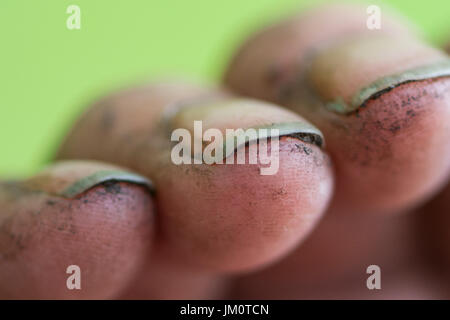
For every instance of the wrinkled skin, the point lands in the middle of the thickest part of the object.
(376, 193)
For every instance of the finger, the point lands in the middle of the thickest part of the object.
(90, 215)
(381, 98)
(332, 263)
(217, 217)
(161, 279)
(435, 222)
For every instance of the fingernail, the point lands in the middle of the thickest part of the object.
(347, 74)
(436, 70)
(269, 121)
(101, 177)
(69, 179)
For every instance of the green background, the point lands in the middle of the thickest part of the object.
(50, 73)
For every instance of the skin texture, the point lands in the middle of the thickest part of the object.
(226, 231)
(284, 46)
(332, 262)
(215, 218)
(106, 230)
(374, 149)
(435, 219)
(378, 168)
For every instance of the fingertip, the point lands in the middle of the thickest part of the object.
(245, 220)
(105, 231)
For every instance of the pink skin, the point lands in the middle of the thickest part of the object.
(275, 54)
(247, 219)
(332, 262)
(374, 148)
(106, 233)
(435, 220)
(262, 223)
(162, 279)
(212, 219)
(300, 275)
(389, 129)
(198, 246)
(378, 166)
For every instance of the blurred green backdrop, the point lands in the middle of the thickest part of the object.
(49, 73)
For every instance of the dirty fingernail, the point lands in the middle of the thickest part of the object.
(69, 179)
(242, 121)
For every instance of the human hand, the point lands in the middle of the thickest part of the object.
(225, 230)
